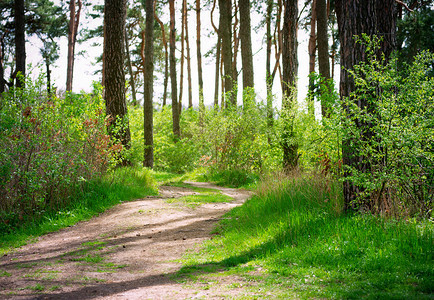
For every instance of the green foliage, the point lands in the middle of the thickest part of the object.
(415, 33)
(294, 230)
(399, 144)
(170, 156)
(51, 148)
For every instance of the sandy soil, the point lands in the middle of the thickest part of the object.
(128, 252)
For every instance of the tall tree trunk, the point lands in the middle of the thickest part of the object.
(268, 82)
(148, 84)
(166, 57)
(323, 51)
(225, 33)
(372, 17)
(246, 44)
(2, 72)
(236, 43)
(130, 69)
(199, 65)
(74, 20)
(217, 59)
(312, 58)
(174, 92)
(187, 45)
(20, 42)
(181, 77)
(290, 67)
(114, 83)
(222, 83)
(278, 43)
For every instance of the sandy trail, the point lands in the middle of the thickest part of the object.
(128, 252)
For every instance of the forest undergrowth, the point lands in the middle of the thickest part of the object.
(58, 165)
(295, 233)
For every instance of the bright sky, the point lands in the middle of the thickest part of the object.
(84, 64)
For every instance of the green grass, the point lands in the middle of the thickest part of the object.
(196, 200)
(296, 231)
(232, 178)
(123, 184)
(203, 195)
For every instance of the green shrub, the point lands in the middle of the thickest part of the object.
(400, 143)
(50, 147)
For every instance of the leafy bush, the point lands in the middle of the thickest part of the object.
(400, 147)
(171, 156)
(51, 146)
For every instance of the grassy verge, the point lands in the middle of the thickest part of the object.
(294, 229)
(124, 184)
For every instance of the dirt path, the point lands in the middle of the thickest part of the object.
(129, 252)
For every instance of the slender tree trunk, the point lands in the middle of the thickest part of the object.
(225, 33)
(290, 67)
(74, 20)
(166, 57)
(246, 44)
(217, 60)
(114, 45)
(199, 65)
(312, 57)
(2, 72)
(372, 17)
(174, 92)
(236, 43)
(222, 83)
(323, 50)
(278, 42)
(187, 45)
(268, 82)
(130, 69)
(148, 83)
(20, 41)
(181, 77)
(47, 66)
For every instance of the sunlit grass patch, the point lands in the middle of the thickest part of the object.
(5, 274)
(296, 231)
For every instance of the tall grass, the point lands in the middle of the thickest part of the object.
(295, 228)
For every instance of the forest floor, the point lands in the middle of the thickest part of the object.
(131, 251)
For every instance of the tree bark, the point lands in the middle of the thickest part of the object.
(323, 51)
(217, 60)
(246, 44)
(268, 80)
(181, 77)
(225, 33)
(2, 72)
(166, 57)
(47, 66)
(312, 58)
(20, 42)
(199, 65)
(148, 84)
(74, 20)
(187, 46)
(114, 83)
(174, 92)
(236, 43)
(290, 67)
(130, 69)
(372, 17)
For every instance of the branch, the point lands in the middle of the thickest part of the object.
(403, 4)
